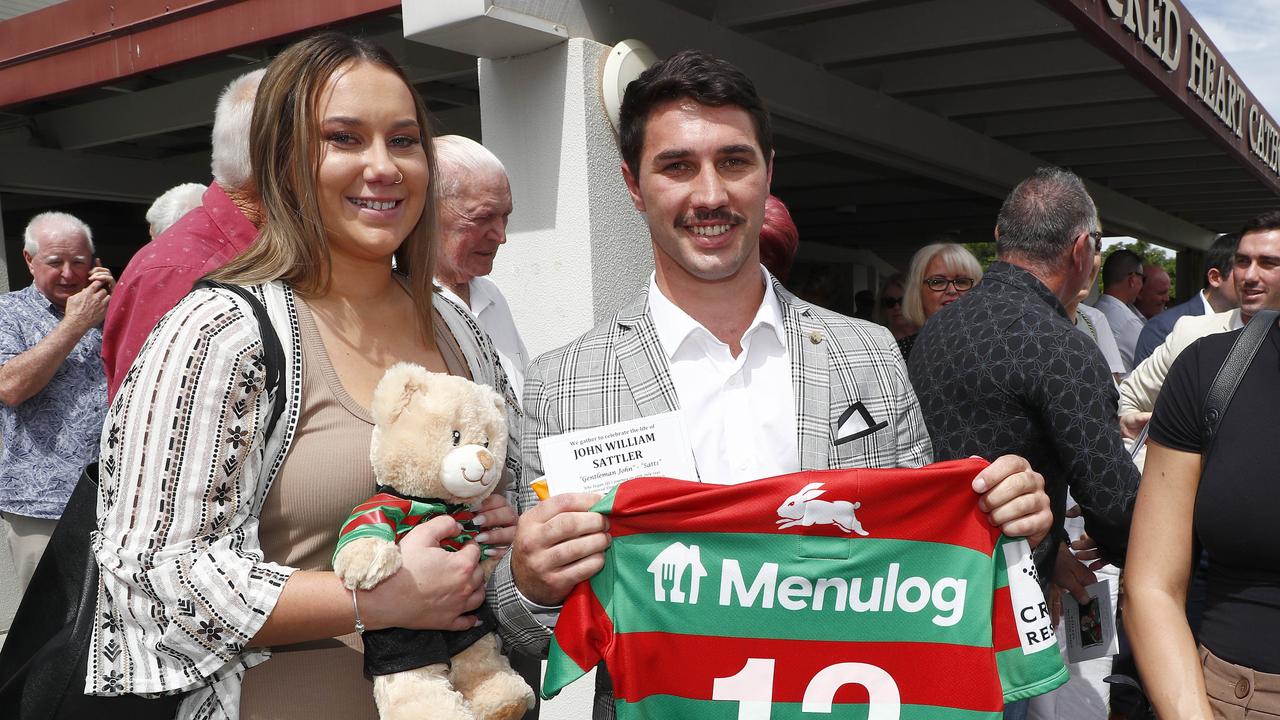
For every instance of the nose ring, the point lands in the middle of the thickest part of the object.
(399, 177)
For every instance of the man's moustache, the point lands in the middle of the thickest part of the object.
(725, 216)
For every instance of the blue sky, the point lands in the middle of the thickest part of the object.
(1246, 32)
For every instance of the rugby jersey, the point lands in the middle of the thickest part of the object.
(882, 592)
(390, 515)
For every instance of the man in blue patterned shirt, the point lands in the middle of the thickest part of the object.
(53, 391)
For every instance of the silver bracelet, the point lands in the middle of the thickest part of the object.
(356, 607)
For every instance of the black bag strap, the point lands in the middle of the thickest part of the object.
(1243, 351)
(273, 351)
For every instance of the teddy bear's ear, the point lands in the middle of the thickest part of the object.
(394, 393)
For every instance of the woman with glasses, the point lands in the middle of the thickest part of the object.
(939, 274)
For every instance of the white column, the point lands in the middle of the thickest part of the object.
(577, 249)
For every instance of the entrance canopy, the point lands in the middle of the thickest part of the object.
(895, 119)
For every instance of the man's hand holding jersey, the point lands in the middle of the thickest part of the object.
(560, 542)
(1013, 498)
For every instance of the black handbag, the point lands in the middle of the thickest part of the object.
(45, 655)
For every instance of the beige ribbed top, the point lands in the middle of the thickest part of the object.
(324, 476)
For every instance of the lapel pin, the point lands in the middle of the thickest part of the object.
(815, 337)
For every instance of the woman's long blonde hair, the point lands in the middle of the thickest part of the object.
(284, 149)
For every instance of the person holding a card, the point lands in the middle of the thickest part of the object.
(765, 383)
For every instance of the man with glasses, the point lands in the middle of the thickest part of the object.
(1122, 280)
(1008, 373)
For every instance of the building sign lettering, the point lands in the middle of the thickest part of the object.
(1159, 26)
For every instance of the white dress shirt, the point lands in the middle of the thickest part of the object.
(739, 412)
(1126, 324)
(1204, 300)
(493, 315)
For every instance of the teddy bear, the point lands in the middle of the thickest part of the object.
(439, 447)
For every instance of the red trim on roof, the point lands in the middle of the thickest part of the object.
(81, 43)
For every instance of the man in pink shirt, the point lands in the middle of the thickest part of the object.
(205, 239)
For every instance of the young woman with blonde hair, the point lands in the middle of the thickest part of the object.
(214, 538)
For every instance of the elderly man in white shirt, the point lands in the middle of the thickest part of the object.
(475, 202)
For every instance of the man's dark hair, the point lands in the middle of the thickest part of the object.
(1119, 266)
(1221, 256)
(1269, 220)
(695, 75)
(1042, 217)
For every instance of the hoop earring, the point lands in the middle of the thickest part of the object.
(399, 178)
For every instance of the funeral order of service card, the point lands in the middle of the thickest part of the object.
(597, 459)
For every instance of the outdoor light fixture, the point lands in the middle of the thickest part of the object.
(626, 61)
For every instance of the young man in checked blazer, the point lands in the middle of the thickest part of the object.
(767, 383)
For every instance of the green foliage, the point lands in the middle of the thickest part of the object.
(1149, 253)
(986, 254)
(984, 251)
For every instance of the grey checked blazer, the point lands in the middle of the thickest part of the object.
(618, 371)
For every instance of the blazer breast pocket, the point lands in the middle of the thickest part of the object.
(856, 423)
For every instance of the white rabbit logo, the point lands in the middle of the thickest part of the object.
(803, 509)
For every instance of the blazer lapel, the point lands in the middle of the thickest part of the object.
(644, 365)
(807, 350)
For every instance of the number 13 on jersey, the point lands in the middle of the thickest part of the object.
(752, 688)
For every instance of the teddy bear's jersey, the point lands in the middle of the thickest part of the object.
(887, 596)
(389, 515)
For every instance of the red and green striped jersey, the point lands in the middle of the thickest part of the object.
(388, 516)
(883, 593)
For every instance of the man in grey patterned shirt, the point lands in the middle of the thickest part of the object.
(53, 391)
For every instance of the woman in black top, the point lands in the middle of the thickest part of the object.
(1230, 504)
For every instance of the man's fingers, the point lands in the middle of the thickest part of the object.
(1077, 579)
(1073, 511)
(1053, 598)
(562, 527)
(998, 471)
(1084, 542)
(557, 504)
(571, 551)
(1085, 556)
(582, 569)
(1034, 527)
(546, 571)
